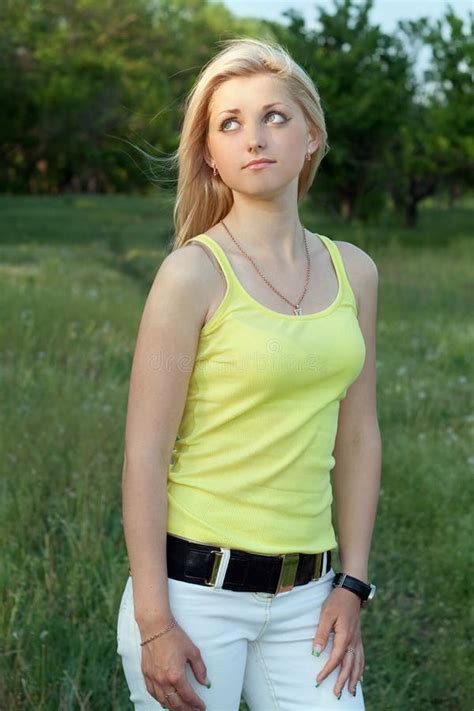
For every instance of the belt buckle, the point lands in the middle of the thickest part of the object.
(288, 570)
(215, 567)
(317, 566)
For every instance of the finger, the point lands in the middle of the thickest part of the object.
(354, 675)
(322, 633)
(153, 689)
(340, 645)
(174, 702)
(159, 694)
(168, 696)
(346, 666)
(356, 671)
(188, 695)
(199, 668)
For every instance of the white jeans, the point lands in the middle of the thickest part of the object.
(254, 645)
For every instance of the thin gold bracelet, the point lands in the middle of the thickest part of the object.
(158, 634)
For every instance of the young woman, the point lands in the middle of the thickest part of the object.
(253, 381)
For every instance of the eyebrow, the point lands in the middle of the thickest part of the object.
(267, 106)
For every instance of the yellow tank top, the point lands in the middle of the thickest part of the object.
(251, 463)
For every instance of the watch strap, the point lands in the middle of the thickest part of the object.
(361, 589)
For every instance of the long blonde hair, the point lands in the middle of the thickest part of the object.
(202, 199)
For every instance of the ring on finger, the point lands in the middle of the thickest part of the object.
(351, 650)
(175, 691)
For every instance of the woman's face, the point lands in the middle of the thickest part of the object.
(251, 118)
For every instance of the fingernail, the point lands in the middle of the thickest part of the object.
(354, 693)
(339, 695)
(316, 650)
(317, 683)
(208, 683)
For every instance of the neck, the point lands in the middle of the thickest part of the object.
(267, 235)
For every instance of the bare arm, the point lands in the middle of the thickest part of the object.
(162, 365)
(358, 450)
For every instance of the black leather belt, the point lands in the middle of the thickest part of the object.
(242, 570)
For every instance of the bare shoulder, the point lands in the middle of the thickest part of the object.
(361, 270)
(356, 259)
(211, 282)
(183, 279)
(188, 262)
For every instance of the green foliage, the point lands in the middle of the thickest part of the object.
(83, 85)
(77, 78)
(452, 72)
(434, 149)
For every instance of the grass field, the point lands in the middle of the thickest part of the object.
(75, 271)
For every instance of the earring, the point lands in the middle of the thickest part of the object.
(308, 156)
(214, 170)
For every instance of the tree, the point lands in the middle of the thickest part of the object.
(434, 149)
(66, 67)
(452, 102)
(366, 87)
(76, 79)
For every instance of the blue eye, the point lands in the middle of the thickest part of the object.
(233, 118)
(224, 123)
(277, 113)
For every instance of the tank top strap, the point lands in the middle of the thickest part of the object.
(348, 296)
(219, 255)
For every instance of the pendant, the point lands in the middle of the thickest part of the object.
(297, 311)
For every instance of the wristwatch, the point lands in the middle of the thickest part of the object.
(363, 590)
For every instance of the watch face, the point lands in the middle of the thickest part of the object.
(372, 591)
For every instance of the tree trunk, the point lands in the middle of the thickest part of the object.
(411, 213)
(346, 208)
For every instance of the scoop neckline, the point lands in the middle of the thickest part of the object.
(292, 317)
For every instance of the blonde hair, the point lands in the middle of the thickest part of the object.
(202, 200)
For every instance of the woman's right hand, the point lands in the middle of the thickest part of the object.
(163, 666)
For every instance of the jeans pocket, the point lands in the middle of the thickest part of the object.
(326, 577)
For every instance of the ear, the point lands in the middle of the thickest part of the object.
(314, 140)
(207, 156)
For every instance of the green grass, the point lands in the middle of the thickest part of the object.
(75, 272)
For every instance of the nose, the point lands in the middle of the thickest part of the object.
(255, 138)
(256, 147)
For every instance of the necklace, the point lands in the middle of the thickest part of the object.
(296, 307)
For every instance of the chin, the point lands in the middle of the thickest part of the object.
(263, 186)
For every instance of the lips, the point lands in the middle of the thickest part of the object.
(259, 162)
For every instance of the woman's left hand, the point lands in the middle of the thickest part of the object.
(341, 611)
